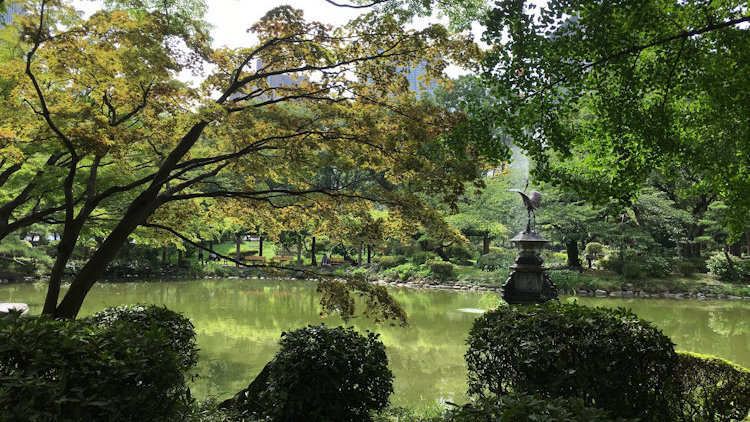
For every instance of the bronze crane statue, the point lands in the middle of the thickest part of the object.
(532, 202)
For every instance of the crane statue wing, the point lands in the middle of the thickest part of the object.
(535, 198)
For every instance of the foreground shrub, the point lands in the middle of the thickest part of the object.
(712, 389)
(72, 371)
(178, 329)
(523, 408)
(609, 358)
(441, 270)
(326, 374)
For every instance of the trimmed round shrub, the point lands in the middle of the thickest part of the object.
(685, 268)
(71, 370)
(609, 358)
(421, 257)
(657, 266)
(441, 270)
(179, 330)
(524, 408)
(327, 374)
(712, 389)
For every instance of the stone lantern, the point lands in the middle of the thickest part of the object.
(529, 282)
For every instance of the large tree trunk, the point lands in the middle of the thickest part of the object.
(572, 249)
(369, 254)
(139, 210)
(486, 243)
(238, 245)
(747, 241)
(313, 259)
(359, 255)
(260, 245)
(299, 250)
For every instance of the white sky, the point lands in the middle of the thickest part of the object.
(232, 18)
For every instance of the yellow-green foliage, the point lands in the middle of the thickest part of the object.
(713, 389)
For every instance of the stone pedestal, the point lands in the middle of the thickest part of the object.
(529, 282)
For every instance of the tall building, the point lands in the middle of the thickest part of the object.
(7, 17)
(415, 84)
(277, 81)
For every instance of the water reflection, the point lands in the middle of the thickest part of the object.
(238, 323)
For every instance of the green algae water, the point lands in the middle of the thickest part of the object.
(239, 321)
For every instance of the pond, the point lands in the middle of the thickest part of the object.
(239, 322)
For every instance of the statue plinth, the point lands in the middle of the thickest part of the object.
(529, 282)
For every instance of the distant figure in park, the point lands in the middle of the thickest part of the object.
(212, 257)
(200, 257)
(324, 261)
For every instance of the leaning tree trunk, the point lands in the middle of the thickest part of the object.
(136, 214)
(572, 250)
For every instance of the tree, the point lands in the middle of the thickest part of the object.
(136, 147)
(629, 87)
(570, 220)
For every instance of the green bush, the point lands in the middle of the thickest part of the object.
(685, 268)
(595, 248)
(718, 266)
(497, 259)
(404, 271)
(392, 261)
(625, 263)
(657, 266)
(71, 370)
(565, 280)
(420, 257)
(459, 252)
(441, 270)
(523, 408)
(179, 330)
(327, 374)
(609, 358)
(712, 389)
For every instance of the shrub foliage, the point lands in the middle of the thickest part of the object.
(712, 389)
(523, 408)
(326, 374)
(72, 370)
(441, 270)
(609, 358)
(178, 329)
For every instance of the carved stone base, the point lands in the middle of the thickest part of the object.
(523, 287)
